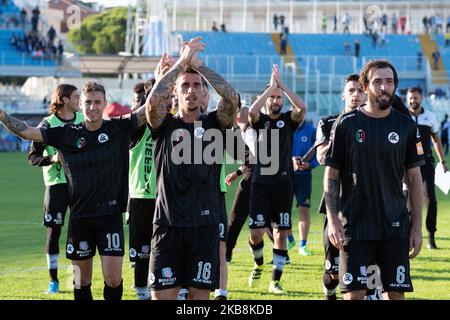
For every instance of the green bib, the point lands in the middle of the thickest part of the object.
(54, 174)
(223, 185)
(142, 175)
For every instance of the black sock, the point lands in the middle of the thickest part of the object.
(53, 274)
(141, 273)
(113, 293)
(84, 293)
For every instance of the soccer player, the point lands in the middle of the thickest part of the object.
(304, 139)
(185, 243)
(271, 195)
(64, 109)
(353, 96)
(428, 129)
(374, 146)
(142, 194)
(94, 155)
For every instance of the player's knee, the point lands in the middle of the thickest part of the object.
(330, 281)
(256, 235)
(113, 280)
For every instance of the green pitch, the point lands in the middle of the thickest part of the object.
(23, 268)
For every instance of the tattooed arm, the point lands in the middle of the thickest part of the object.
(228, 104)
(331, 183)
(162, 90)
(19, 128)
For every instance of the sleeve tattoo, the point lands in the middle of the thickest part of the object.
(332, 195)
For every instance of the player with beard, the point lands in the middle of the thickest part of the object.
(374, 146)
(271, 194)
(185, 243)
(428, 129)
(353, 96)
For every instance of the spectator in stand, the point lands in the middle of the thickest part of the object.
(223, 28)
(357, 48)
(23, 18)
(60, 52)
(281, 18)
(436, 55)
(374, 38)
(439, 24)
(403, 23)
(51, 34)
(394, 23)
(347, 48)
(346, 22)
(214, 27)
(384, 22)
(324, 23)
(283, 43)
(335, 23)
(35, 18)
(419, 60)
(275, 22)
(425, 24)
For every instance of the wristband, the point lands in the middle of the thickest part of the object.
(239, 172)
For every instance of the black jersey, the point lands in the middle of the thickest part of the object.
(95, 163)
(188, 193)
(372, 154)
(324, 127)
(428, 126)
(264, 129)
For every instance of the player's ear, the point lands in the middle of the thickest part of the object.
(65, 100)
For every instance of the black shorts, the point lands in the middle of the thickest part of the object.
(86, 233)
(359, 259)
(140, 221)
(271, 203)
(184, 257)
(223, 225)
(303, 189)
(56, 201)
(331, 252)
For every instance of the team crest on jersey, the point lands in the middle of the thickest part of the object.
(393, 137)
(179, 135)
(81, 143)
(103, 137)
(360, 136)
(280, 124)
(304, 138)
(199, 132)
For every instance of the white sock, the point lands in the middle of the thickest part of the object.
(220, 292)
(52, 261)
(143, 293)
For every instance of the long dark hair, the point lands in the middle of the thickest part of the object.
(61, 91)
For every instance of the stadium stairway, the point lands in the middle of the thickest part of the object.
(429, 46)
(289, 57)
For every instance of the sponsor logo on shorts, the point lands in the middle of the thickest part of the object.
(327, 264)
(347, 278)
(84, 249)
(145, 249)
(70, 248)
(167, 277)
(59, 218)
(393, 137)
(133, 252)
(259, 220)
(103, 137)
(151, 278)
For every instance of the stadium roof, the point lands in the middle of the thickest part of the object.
(115, 64)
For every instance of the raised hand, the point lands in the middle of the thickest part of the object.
(165, 63)
(189, 49)
(276, 76)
